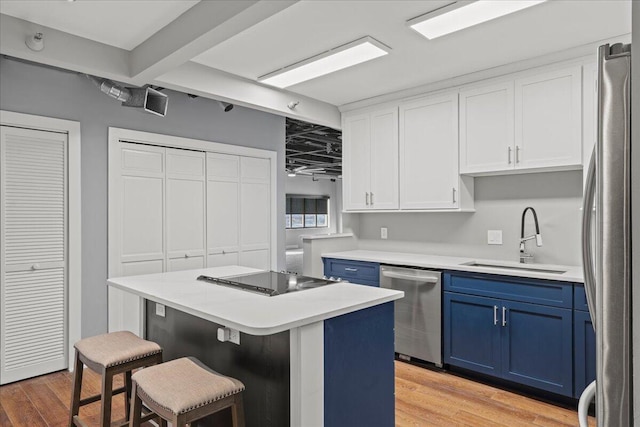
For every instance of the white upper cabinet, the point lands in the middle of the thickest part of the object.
(370, 160)
(429, 153)
(486, 128)
(589, 114)
(384, 160)
(533, 123)
(548, 120)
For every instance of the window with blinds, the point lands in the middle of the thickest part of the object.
(307, 211)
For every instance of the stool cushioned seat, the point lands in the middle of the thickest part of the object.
(116, 348)
(182, 385)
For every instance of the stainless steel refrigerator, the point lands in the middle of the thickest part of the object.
(607, 233)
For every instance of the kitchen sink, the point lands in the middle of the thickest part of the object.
(523, 267)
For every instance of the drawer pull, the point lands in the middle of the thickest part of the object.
(350, 269)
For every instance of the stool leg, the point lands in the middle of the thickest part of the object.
(136, 408)
(107, 393)
(75, 389)
(237, 411)
(127, 395)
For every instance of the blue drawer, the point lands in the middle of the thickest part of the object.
(580, 298)
(535, 291)
(365, 273)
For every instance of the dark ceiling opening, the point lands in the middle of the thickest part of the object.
(313, 150)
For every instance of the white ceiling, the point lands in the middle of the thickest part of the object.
(311, 27)
(219, 48)
(120, 23)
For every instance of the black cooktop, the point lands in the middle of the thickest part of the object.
(269, 283)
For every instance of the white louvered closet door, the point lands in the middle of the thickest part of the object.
(33, 253)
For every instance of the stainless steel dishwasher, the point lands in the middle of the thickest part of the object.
(418, 316)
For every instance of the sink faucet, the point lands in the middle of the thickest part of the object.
(524, 256)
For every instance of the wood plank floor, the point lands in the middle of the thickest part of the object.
(423, 398)
(44, 401)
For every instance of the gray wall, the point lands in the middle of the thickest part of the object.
(31, 89)
(499, 202)
(304, 185)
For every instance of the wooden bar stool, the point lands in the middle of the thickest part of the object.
(185, 390)
(109, 355)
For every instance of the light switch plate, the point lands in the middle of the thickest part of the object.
(160, 310)
(494, 237)
(383, 232)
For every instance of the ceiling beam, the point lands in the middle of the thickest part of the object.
(197, 30)
(204, 81)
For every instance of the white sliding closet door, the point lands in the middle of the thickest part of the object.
(141, 207)
(223, 206)
(33, 253)
(185, 209)
(255, 212)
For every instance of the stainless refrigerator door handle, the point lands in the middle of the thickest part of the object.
(504, 316)
(587, 255)
(495, 315)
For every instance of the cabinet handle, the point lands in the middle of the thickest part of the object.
(454, 194)
(509, 155)
(495, 315)
(350, 269)
(504, 316)
(35, 266)
(517, 154)
(186, 255)
(371, 199)
(367, 198)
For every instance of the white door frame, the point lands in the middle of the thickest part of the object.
(74, 262)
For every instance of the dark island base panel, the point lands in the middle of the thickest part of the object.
(260, 362)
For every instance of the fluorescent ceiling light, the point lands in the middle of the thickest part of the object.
(465, 14)
(341, 57)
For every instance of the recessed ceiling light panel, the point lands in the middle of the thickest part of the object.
(465, 14)
(344, 56)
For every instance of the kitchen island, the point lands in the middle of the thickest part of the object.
(319, 357)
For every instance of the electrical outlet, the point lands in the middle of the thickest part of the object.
(383, 232)
(160, 310)
(494, 237)
(228, 334)
(234, 336)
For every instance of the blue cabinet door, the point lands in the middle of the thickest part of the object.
(537, 346)
(472, 333)
(584, 351)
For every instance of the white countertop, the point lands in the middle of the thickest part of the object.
(571, 273)
(325, 236)
(248, 312)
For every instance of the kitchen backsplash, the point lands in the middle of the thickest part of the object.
(499, 202)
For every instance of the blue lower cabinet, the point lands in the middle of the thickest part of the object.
(537, 346)
(584, 351)
(471, 337)
(359, 368)
(359, 272)
(529, 344)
